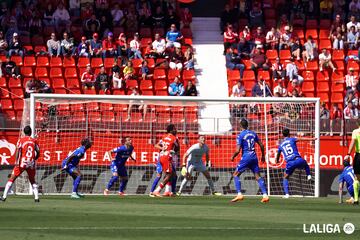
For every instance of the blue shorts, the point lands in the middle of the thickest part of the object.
(251, 164)
(120, 170)
(70, 167)
(158, 167)
(291, 165)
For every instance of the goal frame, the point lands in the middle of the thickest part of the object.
(229, 100)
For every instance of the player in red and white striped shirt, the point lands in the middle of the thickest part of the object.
(26, 155)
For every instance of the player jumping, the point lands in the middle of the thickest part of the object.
(118, 168)
(246, 141)
(71, 162)
(292, 157)
(347, 176)
(26, 154)
(194, 161)
(168, 145)
(355, 142)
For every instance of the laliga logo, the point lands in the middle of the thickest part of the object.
(6, 145)
(348, 228)
(272, 158)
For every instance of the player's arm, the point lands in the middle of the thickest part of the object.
(278, 156)
(351, 147)
(207, 159)
(132, 158)
(238, 148)
(261, 145)
(69, 160)
(186, 155)
(37, 152)
(341, 184)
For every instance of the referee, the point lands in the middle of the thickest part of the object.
(355, 141)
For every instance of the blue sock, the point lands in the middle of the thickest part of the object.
(113, 179)
(173, 184)
(262, 186)
(123, 185)
(307, 170)
(155, 183)
(76, 183)
(237, 184)
(286, 186)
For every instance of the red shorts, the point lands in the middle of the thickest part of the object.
(165, 161)
(17, 171)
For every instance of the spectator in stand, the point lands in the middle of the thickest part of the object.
(283, 22)
(351, 81)
(87, 78)
(351, 97)
(297, 10)
(141, 107)
(227, 17)
(145, 15)
(3, 44)
(245, 45)
(129, 72)
(48, 19)
(30, 87)
(92, 24)
(260, 87)
(190, 89)
(259, 37)
(35, 25)
(95, 46)
(118, 16)
(233, 61)
(278, 70)
(256, 16)
(325, 60)
(74, 8)
(292, 72)
(280, 90)
(326, 8)
(176, 59)
(186, 18)
(238, 89)
(145, 71)
(131, 22)
(135, 47)
(61, 17)
(258, 59)
(87, 11)
(67, 45)
(324, 118)
(158, 18)
(118, 82)
(53, 46)
(83, 48)
(43, 87)
(354, 23)
(352, 38)
(171, 18)
(338, 38)
(159, 46)
(230, 38)
(102, 81)
(272, 39)
(285, 38)
(173, 37)
(189, 59)
(335, 116)
(310, 52)
(296, 49)
(109, 46)
(10, 69)
(338, 22)
(123, 49)
(294, 88)
(149, 51)
(15, 47)
(351, 112)
(176, 88)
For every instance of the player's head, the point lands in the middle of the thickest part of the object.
(27, 131)
(171, 129)
(202, 139)
(346, 163)
(244, 123)
(86, 142)
(128, 141)
(286, 132)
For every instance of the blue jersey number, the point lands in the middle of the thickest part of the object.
(288, 149)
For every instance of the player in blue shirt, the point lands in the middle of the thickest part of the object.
(123, 153)
(347, 176)
(246, 141)
(292, 157)
(71, 162)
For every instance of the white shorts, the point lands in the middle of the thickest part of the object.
(200, 167)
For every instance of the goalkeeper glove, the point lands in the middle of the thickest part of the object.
(183, 171)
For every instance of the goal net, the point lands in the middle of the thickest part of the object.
(61, 121)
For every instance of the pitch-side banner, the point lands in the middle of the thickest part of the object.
(221, 150)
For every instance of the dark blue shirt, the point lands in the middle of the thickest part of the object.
(122, 154)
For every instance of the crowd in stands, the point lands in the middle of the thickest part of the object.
(295, 48)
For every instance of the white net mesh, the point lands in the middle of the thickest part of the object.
(62, 123)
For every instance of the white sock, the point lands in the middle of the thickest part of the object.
(239, 194)
(211, 185)
(265, 195)
(35, 190)
(167, 188)
(183, 184)
(7, 188)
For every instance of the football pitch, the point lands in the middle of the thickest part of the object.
(141, 217)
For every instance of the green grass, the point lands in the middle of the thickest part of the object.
(141, 217)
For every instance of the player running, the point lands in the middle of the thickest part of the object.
(26, 155)
(355, 142)
(347, 176)
(246, 141)
(292, 157)
(71, 162)
(169, 146)
(192, 160)
(118, 168)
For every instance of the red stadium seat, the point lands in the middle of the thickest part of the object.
(70, 72)
(172, 73)
(10, 115)
(324, 34)
(145, 32)
(352, 53)
(40, 49)
(311, 23)
(108, 116)
(90, 91)
(17, 59)
(83, 62)
(68, 62)
(58, 82)
(42, 61)
(262, 74)
(339, 65)
(233, 75)
(130, 84)
(29, 61)
(37, 40)
(96, 62)
(17, 93)
(299, 33)
(188, 75)
(146, 85)
(18, 104)
(118, 92)
(308, 76)
(323, 87)
(322, 76)
(248, 75)
(186, 32)
(338, 54)
(337, 76)
(271, 54)
(325, 43)
(56, 62)
(55, 72)
(160, 85)
(4, 93)
(159, 73)
(3, 82)
(285, 54)
(324, 97)
(108, 62)
(325, 24)
(308, 87)
(14, 83)
(311, 32)
(337, 97)
(147, 92)
(312, 65)
(337, 87)
(27, 72)
(353, 64)
(151, 63)
(72, 83)
(6, 104)
(41, 72)
(136, 63)
(161, 92)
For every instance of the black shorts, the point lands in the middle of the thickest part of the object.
(356, 163)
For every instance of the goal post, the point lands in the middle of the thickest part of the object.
(61, 120)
